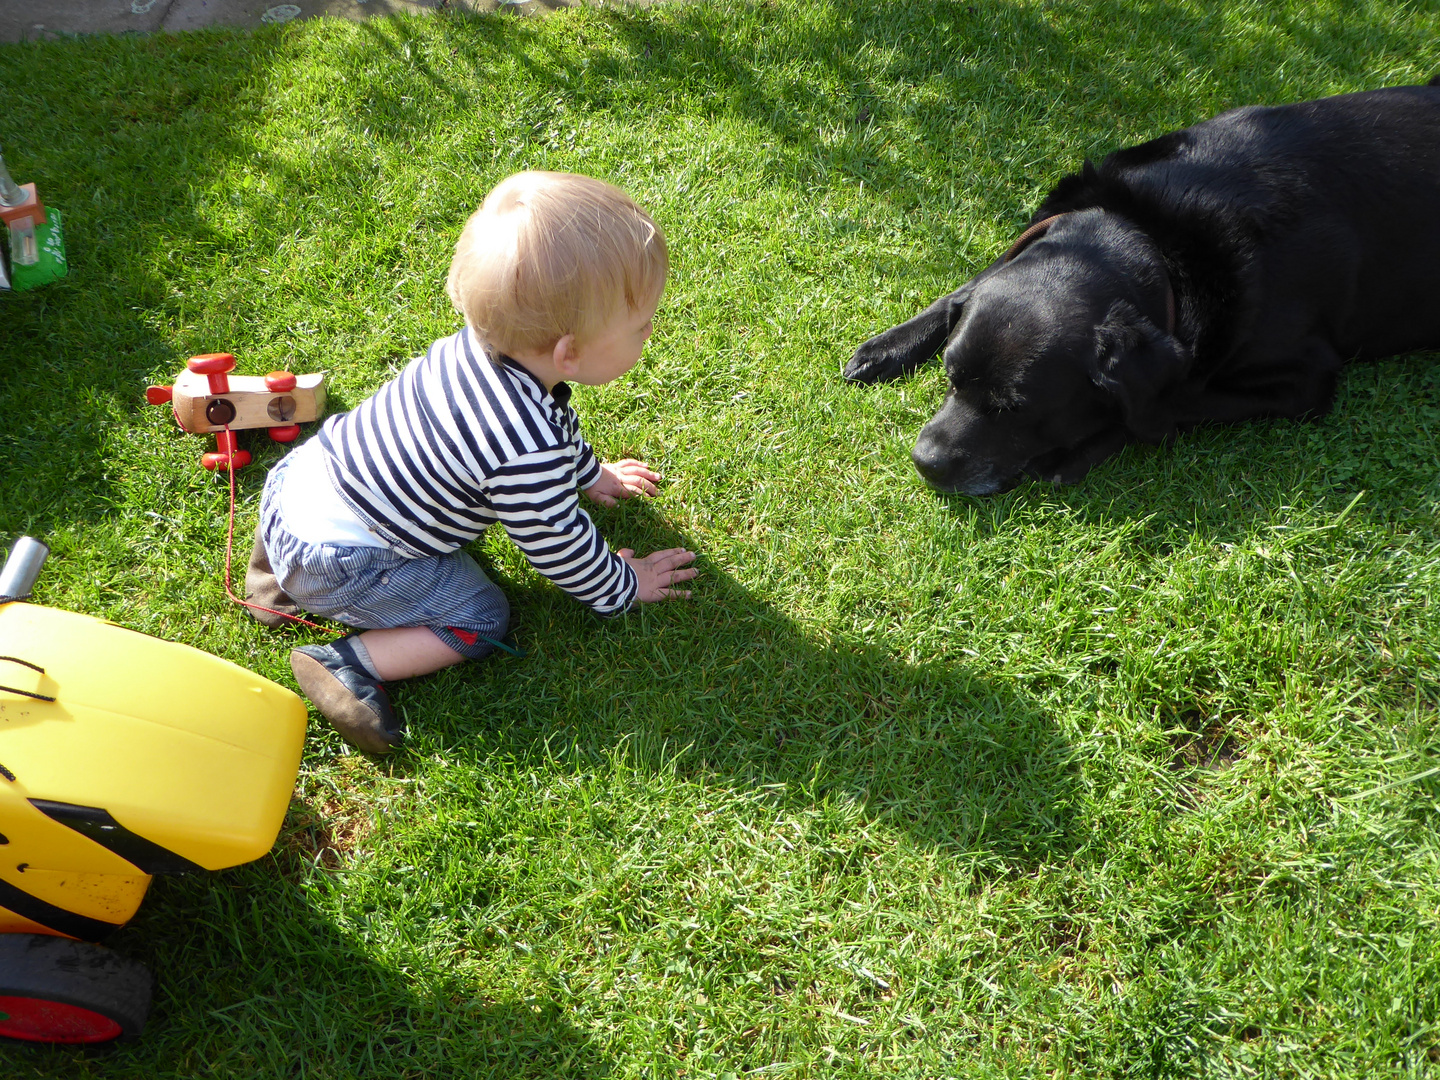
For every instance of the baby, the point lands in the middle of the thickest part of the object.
(558, 277)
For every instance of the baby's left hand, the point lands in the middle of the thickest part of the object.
(623, 479)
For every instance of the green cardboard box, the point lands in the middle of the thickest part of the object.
(50, 238)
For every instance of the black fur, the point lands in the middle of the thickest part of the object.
(1290, 239)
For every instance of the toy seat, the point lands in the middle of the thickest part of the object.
(149, 757)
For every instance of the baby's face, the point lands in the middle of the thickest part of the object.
(616, 348)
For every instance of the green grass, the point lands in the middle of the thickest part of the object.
(1133, 778)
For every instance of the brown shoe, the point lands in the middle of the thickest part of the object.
(356, 705)
(262, 588)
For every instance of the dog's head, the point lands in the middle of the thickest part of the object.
(1056, 356)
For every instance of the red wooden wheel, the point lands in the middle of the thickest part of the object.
(213, 461)
(215, 363)
(54, 990)
(227, 450)
(288, 433)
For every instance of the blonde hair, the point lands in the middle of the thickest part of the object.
(549, 254)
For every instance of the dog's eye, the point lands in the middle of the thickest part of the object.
(1003, 404)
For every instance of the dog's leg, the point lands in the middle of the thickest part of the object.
(1073, 469)
(1302, 385)
(904, 348)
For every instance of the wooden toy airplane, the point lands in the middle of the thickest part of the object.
(207, 398)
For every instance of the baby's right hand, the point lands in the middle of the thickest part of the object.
(657, 573)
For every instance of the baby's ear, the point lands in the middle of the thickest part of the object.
(565, 355)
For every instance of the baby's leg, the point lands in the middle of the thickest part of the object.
(467, 626)
(382, 592)
(418, 615)
(407, 651)
(439, 611)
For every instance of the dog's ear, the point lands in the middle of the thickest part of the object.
(1138, 362)
(902, 349)
(1073, 192)
(955, 306)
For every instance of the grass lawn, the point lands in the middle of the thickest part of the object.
(1134, 778)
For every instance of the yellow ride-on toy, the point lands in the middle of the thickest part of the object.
(121, 757)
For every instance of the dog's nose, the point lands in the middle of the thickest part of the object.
(927, 462)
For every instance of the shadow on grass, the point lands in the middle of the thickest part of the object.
(1270, 548)
(1003, 96)
(262, 972)
(122, 134)
(250, 981)
(725, 688)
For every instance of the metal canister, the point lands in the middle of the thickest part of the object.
(22, 567)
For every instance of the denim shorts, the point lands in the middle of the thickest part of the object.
(376, 588)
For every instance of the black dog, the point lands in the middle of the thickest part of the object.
(1217, 273)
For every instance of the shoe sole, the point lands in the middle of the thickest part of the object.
(355, 720)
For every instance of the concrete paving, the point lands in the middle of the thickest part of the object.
(29, 20)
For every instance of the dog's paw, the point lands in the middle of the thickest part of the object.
(872, 365)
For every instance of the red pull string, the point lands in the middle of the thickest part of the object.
(230, 546)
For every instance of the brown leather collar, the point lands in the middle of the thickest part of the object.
(1033, 233)
(1041, 227)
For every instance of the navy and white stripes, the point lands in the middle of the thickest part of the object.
(457, 442)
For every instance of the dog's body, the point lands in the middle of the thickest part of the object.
(1218, 273)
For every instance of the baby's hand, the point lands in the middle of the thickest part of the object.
(658, 572)
(623, 480)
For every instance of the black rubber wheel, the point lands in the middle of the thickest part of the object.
(55, 990)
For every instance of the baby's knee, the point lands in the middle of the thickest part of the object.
(499, 615)
(486, 625)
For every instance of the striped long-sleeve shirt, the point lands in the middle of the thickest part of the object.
(457, 442)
